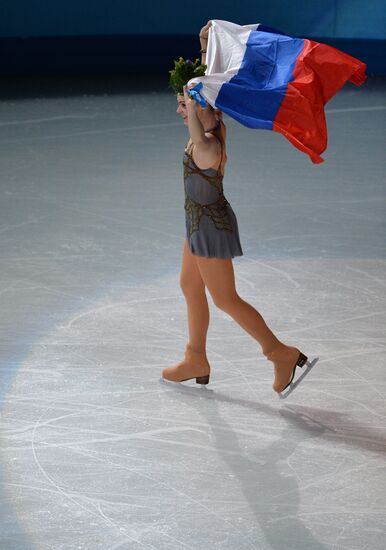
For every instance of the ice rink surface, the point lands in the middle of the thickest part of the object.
(96, 452)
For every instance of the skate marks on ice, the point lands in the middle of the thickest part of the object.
(293, 385)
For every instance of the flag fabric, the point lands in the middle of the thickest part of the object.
(266, 79)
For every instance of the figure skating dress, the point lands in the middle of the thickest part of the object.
(211, 225)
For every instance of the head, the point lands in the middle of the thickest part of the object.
(208, 115)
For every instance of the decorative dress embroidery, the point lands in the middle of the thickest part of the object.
(216, 210)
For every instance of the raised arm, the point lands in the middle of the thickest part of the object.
(203, 34)
(206, 146)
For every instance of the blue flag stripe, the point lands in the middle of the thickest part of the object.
(261, 83)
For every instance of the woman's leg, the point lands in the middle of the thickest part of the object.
(195, 363)
(218, 276)
(193, 288)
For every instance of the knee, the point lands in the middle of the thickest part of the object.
(189, 285)
(226, 303)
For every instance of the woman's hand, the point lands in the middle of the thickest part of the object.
(189, 101)
(192, 104)
(203, 34)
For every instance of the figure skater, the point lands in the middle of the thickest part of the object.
(212, 240)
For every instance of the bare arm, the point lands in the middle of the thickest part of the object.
(203, 34)
(196, 130)
(204, 44)
(208, 155)
(207, 148)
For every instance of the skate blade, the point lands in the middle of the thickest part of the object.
(293, 385)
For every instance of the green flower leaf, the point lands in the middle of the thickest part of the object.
(183, 71)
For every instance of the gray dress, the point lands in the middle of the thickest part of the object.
(211, 224)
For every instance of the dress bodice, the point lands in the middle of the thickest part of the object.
(203, 185)
(204, 194)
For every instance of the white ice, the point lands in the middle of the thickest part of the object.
(95, 451)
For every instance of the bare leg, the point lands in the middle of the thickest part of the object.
(193, 288)
(219, 278)
(195, 363)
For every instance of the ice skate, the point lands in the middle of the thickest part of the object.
(292, 385)
(195, 365)
(285, 360)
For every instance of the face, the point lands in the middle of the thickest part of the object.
(181, 109)
(202, 113)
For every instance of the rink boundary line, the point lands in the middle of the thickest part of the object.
(101, 131)
(48, 119)
(96, 115)
(356, 109)
(155, 126)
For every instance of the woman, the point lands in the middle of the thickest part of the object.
(212, 240)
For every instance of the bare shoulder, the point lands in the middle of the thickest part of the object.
(208, 154)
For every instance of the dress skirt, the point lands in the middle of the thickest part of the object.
(211, 242)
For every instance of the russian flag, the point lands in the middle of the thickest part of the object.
(266, 79)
